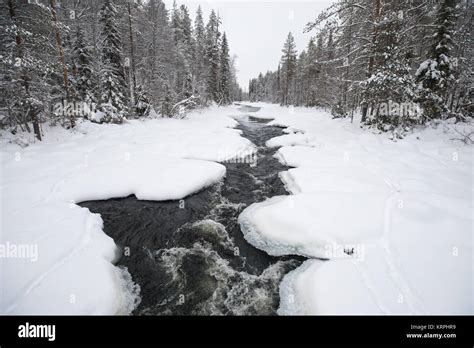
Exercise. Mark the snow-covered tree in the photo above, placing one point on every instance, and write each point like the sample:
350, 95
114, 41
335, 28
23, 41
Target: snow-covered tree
288, 69
167, 102
83, 70
236, 90
113, 99
142, 105
156, 70
225, 75
182, 29
438, 72
392, 83
125, 57
132, 9
62, 60
28, 77
368, 54
200, 62
311, 73
213, 56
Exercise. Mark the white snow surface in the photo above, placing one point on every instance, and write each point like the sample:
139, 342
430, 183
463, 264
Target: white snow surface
387, 225
68, 264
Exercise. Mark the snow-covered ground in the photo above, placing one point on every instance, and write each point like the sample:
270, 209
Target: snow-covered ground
65, 266
403, 211
394, 218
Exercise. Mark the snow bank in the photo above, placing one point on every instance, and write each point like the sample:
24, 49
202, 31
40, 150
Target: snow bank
148, 177
66, 261
311, 225
395, 219
290, 140
302, 293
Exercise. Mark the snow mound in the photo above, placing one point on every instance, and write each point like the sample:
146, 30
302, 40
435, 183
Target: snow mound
291, 140
164, 179
388, 225
313, 226
301, 292
57, 258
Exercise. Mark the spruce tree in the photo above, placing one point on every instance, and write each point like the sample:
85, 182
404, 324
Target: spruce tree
83, 68
158, 66
167, 102
182, 32
391, 85
288, 69
113, 99
187, 34
437, 73
200, 66
213, 57
30, 81
225, 73
311, 73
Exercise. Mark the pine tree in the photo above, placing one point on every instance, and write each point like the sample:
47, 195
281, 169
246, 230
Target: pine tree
28, 77
288, 69
167, 102
62, 60
182, 29
364, 55
279, 95
158, 66
83, 68
301, 87
200, 63
392, 83
225, 73
123, 59
311, 73
187, 34
462, 103
213, 56
113, 101
236, 91
132, 66
438, 72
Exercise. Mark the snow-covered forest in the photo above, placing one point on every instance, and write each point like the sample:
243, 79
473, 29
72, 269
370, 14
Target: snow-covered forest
364, 54
139, 176
107, 61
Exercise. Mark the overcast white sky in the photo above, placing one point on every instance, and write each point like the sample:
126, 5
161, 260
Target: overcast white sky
256, 30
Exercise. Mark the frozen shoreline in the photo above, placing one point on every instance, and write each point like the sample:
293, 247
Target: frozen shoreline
393, 203
380, 211
74, 272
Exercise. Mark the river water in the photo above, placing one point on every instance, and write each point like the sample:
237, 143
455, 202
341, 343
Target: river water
189, 257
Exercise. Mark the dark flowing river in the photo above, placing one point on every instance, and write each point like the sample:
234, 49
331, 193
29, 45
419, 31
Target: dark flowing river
189, 257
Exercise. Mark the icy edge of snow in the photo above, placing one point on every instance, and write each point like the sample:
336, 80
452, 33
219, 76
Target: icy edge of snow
388, 279
153, 159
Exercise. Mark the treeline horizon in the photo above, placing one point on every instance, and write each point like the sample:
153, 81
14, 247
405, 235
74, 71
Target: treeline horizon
121, 59
369, 55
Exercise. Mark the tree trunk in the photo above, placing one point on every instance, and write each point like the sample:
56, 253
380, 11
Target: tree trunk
24, 78
132, 54
36, 126
372, 59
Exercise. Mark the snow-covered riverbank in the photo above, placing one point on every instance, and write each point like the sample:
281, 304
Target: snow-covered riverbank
402, 210
394, 218
73, 272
